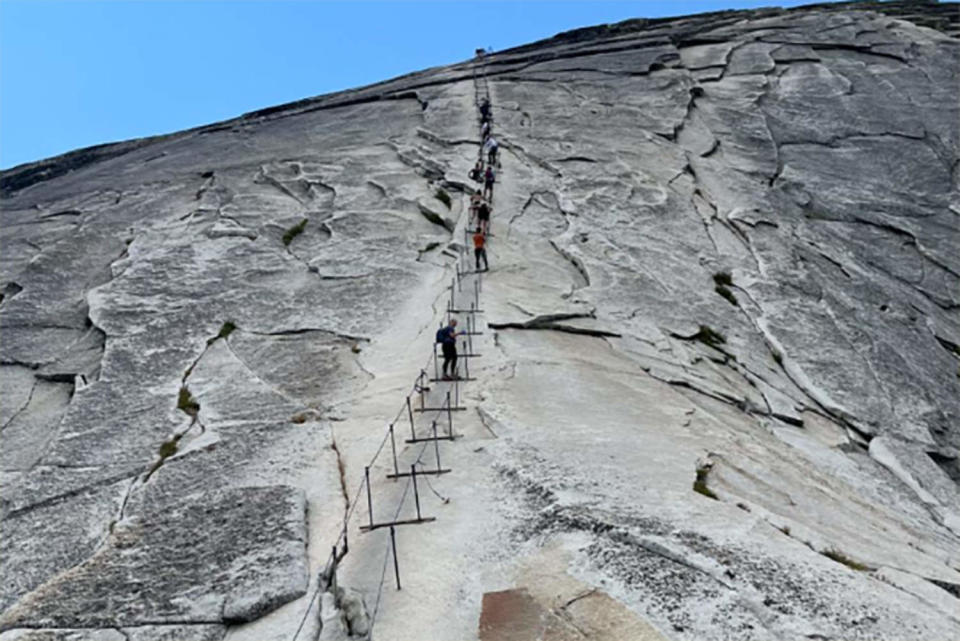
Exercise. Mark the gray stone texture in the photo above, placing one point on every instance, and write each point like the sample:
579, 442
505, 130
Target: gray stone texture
809, 154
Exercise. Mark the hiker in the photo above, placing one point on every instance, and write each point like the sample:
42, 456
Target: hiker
475, 199
447, 337
480, 250
489, 177
484, 131
491, 146
476, 174
485, 109
483, 217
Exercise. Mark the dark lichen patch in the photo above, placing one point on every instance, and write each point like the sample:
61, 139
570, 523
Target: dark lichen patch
722, 284
700, 483
443, 197
294, 231
836, 555
709, 336
186, 403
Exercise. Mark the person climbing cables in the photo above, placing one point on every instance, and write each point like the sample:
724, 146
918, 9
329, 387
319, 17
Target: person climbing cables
475, 199
484, 131
447, 337
492, 146
485, 109
483, 217
476, 174
489, 177
480, 250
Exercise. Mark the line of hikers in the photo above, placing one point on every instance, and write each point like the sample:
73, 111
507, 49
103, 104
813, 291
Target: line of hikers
481, 207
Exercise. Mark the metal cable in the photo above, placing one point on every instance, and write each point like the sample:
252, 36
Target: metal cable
332, 560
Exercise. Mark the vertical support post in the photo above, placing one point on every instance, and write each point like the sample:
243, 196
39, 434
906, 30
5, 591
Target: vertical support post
366, 473
416, 492
449, 416
393, 448
456, 389
396, 566
436, 445
436, 370
466, 360
410, 415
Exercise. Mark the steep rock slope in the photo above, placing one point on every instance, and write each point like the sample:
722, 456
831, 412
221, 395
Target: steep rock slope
725, 260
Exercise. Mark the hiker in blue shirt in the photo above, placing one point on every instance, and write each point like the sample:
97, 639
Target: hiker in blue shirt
447, 337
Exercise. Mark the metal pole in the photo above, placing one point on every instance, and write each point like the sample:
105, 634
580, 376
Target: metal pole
410, 415
393, 448
366, 473
436, 370
449, 416
436, 445
466, 360
396, 567
416, 493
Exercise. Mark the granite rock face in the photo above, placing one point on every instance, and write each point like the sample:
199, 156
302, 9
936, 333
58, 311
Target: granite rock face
719, 392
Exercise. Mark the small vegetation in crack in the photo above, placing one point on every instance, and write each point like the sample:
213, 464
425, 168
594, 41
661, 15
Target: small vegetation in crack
709, 336
785, 529
722, 284
167, 449
777, 357
294, 231
186, 403
836, 555
444, 197
700, 483
225, 330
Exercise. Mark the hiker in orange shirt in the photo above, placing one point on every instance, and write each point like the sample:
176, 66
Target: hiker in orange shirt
480, 250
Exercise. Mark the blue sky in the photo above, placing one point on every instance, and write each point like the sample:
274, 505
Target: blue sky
77, 73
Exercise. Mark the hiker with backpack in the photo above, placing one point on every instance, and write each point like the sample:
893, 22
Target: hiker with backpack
480, 250
489, 177
483, 217
476, 174
484, 131
492, 146
447, 337
476, 198
485, 110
